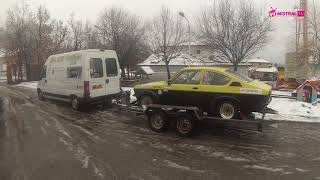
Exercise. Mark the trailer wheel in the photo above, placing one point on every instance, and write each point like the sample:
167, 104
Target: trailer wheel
158, 121
185, 125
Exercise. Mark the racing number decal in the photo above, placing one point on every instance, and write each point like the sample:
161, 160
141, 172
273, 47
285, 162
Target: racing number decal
250, 91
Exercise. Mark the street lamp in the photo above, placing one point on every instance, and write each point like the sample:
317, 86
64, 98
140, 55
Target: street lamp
182, 15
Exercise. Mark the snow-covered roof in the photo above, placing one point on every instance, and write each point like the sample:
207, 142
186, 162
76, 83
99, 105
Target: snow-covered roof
258, 60
270, 70
184, 60
147, 70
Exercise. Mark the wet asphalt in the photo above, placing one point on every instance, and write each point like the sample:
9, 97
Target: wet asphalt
48, 140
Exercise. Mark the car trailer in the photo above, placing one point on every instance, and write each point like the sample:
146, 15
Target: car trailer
185, 118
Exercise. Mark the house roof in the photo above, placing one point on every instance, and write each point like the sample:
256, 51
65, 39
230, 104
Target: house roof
146, 70
269, 70
184, 60
305, 83
257, 60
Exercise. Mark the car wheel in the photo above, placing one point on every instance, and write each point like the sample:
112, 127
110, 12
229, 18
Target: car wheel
185, 125
228, 110
40, 95
145, 101
75, 103
157, 121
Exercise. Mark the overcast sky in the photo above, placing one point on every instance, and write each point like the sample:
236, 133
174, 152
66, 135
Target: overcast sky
89, 10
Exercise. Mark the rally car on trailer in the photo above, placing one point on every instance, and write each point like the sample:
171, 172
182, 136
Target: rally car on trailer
216, 91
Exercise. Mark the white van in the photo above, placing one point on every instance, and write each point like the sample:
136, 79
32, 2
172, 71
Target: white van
81, 77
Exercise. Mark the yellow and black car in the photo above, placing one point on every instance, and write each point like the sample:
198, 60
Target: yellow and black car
214, 90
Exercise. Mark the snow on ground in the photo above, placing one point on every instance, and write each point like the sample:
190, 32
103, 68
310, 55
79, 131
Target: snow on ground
31, 84
293, 110
282, 93
132, 97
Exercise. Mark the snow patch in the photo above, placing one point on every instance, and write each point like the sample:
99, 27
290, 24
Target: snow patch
178, 166
302, 170
271, 169
31, 84
293, 110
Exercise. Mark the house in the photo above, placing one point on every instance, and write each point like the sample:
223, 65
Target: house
3, 66
259, 63
200, 55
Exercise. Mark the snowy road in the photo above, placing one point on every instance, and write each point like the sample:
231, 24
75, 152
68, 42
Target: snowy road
47, 140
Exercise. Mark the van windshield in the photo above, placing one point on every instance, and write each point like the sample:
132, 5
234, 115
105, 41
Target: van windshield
96, 69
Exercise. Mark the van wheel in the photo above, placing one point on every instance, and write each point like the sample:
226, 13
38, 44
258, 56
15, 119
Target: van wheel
40, 95
145, 101
228, 110
75, 103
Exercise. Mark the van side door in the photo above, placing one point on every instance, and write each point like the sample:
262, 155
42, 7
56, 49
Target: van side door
113, 76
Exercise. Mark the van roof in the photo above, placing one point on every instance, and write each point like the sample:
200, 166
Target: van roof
87, 50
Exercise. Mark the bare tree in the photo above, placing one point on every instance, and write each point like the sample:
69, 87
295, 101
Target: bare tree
166, 36
59, 32
42, 34
122, 32
19, 38
78, 32
315, 32
235, 30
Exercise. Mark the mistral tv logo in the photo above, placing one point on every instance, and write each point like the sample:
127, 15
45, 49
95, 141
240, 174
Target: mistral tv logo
286, 12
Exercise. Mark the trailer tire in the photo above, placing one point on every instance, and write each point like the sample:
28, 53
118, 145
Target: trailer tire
185, 125
158, 121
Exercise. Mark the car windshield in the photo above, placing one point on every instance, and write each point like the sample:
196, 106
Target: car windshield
240, 75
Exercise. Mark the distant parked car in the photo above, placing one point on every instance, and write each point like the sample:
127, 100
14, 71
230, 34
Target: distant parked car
214, 90
81, 77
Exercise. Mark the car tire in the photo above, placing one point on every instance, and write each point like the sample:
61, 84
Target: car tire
185, 125
40, 95
228, 110
144, 101
75, 104
158, 121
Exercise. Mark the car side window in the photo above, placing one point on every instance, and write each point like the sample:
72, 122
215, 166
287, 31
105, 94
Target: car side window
188, 77
96, 68
211, 78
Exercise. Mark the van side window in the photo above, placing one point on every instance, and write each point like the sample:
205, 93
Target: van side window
74, 72
111, 65
44, 72
96, 68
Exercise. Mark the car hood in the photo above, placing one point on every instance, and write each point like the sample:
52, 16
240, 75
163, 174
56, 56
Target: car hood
260, 85
152, 85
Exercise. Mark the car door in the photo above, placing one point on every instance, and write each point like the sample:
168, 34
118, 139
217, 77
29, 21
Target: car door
98, 78
113, 76
213, 86
183, 89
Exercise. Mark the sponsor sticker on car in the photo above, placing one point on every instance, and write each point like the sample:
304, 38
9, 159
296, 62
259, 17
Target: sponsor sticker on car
250, 91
